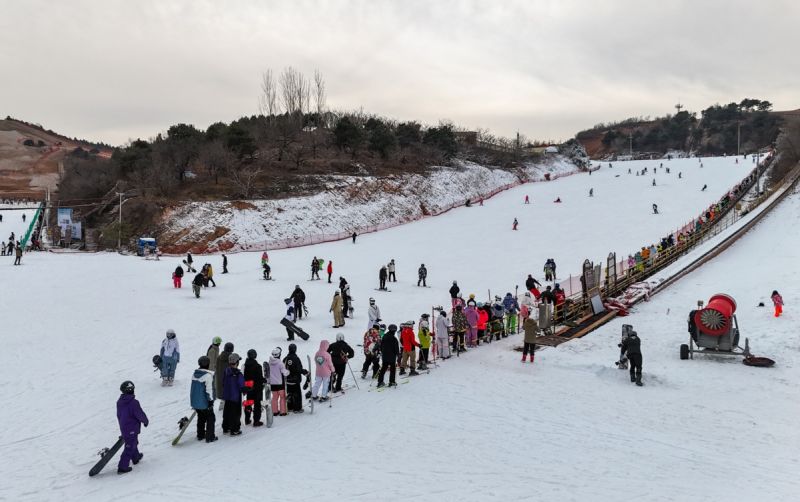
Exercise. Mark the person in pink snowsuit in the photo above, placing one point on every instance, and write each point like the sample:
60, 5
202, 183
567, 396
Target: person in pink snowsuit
777, 300
323, 365
472, 331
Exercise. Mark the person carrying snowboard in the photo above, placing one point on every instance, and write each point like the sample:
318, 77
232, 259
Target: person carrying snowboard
373, 313
372, 351
322, 374
201, 398
130, 417
315, 268
290, 316
253, 372
189, 262
177, 276
298, 296
170, 357
777, 301
632, 348
329, 270
294, 396
336, 308
277, 382
232, 389
340, 353
443, 335
422, 274
382, 275
391, 269
390, 349
409, 343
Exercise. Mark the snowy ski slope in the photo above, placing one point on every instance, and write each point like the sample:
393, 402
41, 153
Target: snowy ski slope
481, 427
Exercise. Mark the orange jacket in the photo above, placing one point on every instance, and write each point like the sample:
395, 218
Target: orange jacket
407, 339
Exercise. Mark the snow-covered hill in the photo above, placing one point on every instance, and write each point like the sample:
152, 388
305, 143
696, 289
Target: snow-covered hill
480, 427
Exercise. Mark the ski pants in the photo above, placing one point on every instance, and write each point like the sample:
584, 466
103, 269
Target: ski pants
458, 340
176, 282
211, 280
528, 348
255, 408
392, 277
329, 277
382, 283
279, 402
345, 308
294, 399
371, 359
340, 369
422, 281
321, 384
423, 355
387, 365
168, 365
298, 310
130, 451
17, 260
232, 416
635, 361
205, 423
443, 346
409, 354
472, 336
511, 324
338, 318
778, 310
196, 290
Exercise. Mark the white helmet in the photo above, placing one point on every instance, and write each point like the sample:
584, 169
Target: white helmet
339, 337
276, 352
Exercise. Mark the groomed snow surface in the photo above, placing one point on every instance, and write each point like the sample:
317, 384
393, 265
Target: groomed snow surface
479, 427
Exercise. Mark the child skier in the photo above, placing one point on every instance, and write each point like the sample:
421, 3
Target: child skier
511, 308
372, 351
443, 335
170, 357
201, 397
390, 349
410, 344
277, 382
253, 372
232, 389
130, 417
322, 375
777, 300
424, 335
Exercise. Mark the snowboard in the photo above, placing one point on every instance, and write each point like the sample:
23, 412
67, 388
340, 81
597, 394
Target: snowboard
106, 454
385, 290
293, 327
189, 267
183, 424
268, 395
310, 401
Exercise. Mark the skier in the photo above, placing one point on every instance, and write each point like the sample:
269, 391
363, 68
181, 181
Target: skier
213, 350
340, 353
514, 225
170, 357
346, 300
315, 268
298, 296
680, 174
531, 328
336, 308
201, 398
654, 182
330, 270
591, 191
454, 291
373, 313
390, 349
471, 301
354, 237
704, 188
532, 284
527, 200
219, 374
322, 374
197, 283
553, 268
483, 319
290, 316
253, 372
424, 335
472, 320
632, 348
548, 271
460, 326
655, 208
372, 351
294, 397
559, 298
224, 264
277, 382
422, 274
232, 388
777, 301
547, 296
511, 308
382, 274
409, 343
443, 335
496, 324
177, 275
189, 261
130, 417
391, 268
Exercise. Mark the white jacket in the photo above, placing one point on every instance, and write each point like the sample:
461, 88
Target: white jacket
170, 347
374, 313
442, 326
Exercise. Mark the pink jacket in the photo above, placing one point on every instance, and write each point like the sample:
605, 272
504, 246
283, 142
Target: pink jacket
777, 300
472, 317
325, 368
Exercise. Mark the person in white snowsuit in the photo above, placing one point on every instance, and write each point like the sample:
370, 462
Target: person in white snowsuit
373, 313
170, 357
442, 335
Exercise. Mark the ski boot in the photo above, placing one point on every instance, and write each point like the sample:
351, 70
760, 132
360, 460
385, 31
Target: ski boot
211, 439
138, 459
413, 373
523, 358
163, 383
402, 371
123, 471
531, 358
363, 375
381, 384
639, 379
633, 377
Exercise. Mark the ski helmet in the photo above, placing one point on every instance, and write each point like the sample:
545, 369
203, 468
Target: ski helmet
339, 337
170, 333
375, 325
292, 348
216, 340
127, 387
204, 362
455, 283
251, 354
276, 352
372, 300
392, 327
234, 359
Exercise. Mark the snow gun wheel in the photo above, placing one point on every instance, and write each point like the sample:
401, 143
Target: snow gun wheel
684, 352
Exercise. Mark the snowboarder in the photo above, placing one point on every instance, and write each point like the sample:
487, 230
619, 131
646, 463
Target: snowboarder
170, 357
267, 270
232, 389
264, 258
294, 397
253, 372
422, 274
220, 365
290, 316
340, 353
298, 296
443, 335
130, 417
189, 262
531, 284
177, 275
409, 343
197, 284
777, 301
390, 350
373, 313
558, 200
315, 269
424, 335
382, 274
354, 237
531, 328
330, 270
704, 188
549, 273
213, 350
514, 225
336, 308
322, 373
391, 269
460, 326
632, 348
454, 291
655, 208
277, 382
224, 264
201, 398
372, 351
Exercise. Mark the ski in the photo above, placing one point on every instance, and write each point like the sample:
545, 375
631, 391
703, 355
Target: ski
270, 416
106, 454
310, 401
183, 424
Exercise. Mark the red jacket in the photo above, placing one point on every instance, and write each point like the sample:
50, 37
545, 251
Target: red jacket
330, 267
560, 297
483, 318
407, 339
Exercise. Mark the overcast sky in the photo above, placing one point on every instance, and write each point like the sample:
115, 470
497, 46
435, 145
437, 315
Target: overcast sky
116, 70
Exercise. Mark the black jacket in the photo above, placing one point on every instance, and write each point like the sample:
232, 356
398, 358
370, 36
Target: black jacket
298, 296
382, 273
295, 368
390, 348
531, 283
199, 280
339, 349
548, 296
423, 272
632, 345
253, 371
454, 291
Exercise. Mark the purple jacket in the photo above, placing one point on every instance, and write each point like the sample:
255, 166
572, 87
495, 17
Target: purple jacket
276, 371
232, 384
472, 316
130, 415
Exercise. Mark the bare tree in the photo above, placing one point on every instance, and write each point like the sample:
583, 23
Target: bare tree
244, 178
268, 100
295, 91
319, 95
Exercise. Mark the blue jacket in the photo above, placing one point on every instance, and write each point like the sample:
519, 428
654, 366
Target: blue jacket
201, 395
232, 384
510, 304
130, 415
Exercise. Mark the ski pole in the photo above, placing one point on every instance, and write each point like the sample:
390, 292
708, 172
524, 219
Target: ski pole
353, 375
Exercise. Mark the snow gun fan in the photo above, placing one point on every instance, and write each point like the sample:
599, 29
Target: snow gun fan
714, 329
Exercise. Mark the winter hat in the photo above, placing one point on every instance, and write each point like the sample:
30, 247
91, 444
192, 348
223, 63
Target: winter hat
376, 326
204, 362
459, 306
170, 333
276, 352
228, 347
392, 328
455, 283
292, 348
216, 340
425, 316
443, 313
252, 354
335, 293
234, 359
339, 337
472, 296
